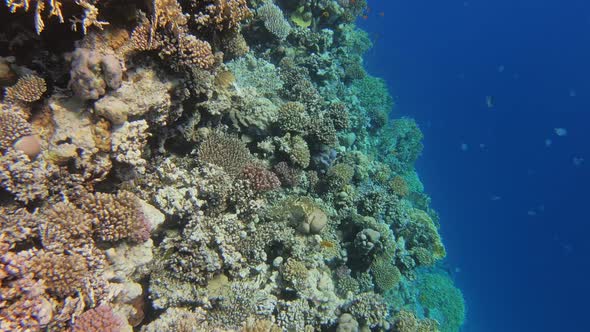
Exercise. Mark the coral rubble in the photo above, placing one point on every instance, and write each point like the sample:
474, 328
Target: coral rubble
215, 165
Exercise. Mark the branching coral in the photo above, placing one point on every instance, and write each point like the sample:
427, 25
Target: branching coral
260, 178
224, 151
12, 127
221, 14
116, 216
89, 18
28, 88
274, 21
26, 179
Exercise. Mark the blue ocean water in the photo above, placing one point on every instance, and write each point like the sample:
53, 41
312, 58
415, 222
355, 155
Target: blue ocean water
489, 82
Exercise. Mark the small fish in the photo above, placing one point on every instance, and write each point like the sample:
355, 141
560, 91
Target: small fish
531, 213
560, 131
548, 142
382, 14
464, 147
501, 69
495, 198
482, 146
365, 17
573, 93
577, 161
489, 101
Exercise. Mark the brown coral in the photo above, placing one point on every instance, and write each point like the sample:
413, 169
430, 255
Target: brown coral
293, 118
17, 225
399, 186
221, 14
116, 217
290, 177
226, 152
23, 304
65, 228
12, 127
26, 179
28, 88
99, 319
62, 274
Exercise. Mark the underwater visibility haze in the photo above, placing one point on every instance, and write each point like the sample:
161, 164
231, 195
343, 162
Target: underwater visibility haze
293, 165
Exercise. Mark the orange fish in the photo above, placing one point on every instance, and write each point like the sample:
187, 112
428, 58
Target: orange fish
381, 14
365, 17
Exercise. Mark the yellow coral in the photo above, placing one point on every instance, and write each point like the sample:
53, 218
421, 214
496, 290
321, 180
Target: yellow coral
90, 17
223, 14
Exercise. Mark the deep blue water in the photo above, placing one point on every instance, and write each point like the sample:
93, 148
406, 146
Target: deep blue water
514, 211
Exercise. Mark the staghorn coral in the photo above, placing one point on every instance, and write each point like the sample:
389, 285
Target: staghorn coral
89, 18
274, 21
340, 175
28, 88
116, 216
224, 151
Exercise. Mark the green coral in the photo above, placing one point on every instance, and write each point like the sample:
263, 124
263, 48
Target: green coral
373, 96
293, 118
444, 301
346, 285
340, 175
385, 273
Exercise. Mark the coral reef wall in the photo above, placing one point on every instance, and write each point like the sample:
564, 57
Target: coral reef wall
211, 165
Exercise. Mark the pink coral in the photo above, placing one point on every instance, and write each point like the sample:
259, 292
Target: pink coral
99, 319
260, 178
290, 177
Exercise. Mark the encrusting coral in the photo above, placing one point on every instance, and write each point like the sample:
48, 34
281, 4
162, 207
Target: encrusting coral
214, 165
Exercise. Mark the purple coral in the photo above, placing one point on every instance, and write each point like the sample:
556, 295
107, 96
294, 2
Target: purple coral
99, 319
260, 178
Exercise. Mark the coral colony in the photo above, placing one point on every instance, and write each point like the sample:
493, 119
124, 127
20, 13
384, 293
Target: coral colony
208, 165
